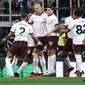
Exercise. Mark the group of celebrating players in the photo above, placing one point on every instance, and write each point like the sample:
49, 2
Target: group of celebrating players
39, 29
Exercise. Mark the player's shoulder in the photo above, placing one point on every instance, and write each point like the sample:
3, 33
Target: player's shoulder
15, 24
69, 18
29, 25
81, 19
74, 22
54, 16
44, 14
77, 20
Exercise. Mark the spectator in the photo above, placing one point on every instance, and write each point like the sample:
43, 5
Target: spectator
6, 6
82, 4
31, 3
14, 5
1, 7
20, 7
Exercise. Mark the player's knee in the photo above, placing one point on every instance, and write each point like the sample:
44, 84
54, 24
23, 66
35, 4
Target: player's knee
10, 55
40, 53
34, 54
60, 53
78, 53
35, 51
51, 52
64, 55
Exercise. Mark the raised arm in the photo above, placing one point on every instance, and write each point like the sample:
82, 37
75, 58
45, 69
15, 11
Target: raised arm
8, 36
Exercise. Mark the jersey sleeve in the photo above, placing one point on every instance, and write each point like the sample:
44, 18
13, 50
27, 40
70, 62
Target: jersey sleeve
55, 21
71, 26
13, 28
66, 22
31, 19
31, 30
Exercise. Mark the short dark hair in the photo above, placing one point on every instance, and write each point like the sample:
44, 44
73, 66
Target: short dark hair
30, 10
51, 7
79, 12
23, 15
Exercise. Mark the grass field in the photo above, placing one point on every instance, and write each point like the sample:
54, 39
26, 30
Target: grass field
42, 81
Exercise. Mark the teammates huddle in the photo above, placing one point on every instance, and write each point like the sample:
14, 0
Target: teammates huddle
42, 27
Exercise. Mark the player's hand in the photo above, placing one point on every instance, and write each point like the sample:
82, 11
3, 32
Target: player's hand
84, 41
16, 21
39, 43
4, 40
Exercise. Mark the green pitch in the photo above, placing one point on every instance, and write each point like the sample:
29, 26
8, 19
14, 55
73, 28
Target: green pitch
42, 81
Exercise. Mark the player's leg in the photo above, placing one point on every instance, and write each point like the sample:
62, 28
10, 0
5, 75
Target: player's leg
78, 56
51, 62
28, 59
52, 46
38, 55
35, 63
42, 61
41, 53
10, 55
66, 60
22, 50
8, 64
67, 48
14, 61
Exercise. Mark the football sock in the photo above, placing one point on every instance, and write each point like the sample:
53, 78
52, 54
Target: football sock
78, 62
9, 65
43, 63
35, 62
21, 68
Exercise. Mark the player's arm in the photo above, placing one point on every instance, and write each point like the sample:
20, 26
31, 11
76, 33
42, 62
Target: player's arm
55, 29
30, 21
64, 29
8, 36
35, 39
84, 40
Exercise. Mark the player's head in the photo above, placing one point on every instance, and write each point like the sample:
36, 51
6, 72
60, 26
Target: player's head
29, 13
23, 16
38, 9
77, 13
50, 10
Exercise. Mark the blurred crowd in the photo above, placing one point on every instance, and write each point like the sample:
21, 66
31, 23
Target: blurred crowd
17, 6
